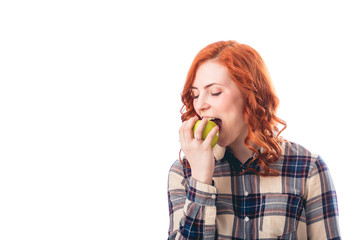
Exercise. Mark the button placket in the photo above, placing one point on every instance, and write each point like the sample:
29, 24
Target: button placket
246, 193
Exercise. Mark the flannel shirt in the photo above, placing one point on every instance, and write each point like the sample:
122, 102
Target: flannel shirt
300, 203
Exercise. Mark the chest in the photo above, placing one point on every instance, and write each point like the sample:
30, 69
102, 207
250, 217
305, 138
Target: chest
250, 206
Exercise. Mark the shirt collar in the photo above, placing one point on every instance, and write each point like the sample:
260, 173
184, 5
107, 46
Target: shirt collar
219, 152
230, 157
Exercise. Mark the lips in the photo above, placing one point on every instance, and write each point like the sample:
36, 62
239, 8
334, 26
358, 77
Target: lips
218, 121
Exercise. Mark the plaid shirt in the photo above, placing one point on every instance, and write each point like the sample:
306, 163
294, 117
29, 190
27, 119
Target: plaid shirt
300, 203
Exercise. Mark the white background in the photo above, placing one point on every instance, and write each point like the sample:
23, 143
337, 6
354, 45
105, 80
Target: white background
90, 101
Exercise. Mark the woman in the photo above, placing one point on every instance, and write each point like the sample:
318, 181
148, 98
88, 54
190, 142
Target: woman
252, 184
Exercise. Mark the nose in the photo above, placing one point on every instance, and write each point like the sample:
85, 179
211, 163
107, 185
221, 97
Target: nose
201, 104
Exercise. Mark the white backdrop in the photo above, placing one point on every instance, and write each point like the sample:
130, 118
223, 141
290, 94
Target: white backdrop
90, 100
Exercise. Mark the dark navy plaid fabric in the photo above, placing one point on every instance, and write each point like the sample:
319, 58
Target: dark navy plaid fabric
301, 203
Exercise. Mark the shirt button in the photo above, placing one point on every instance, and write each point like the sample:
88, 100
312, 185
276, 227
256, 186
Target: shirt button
213, 196
246, 193
246, 219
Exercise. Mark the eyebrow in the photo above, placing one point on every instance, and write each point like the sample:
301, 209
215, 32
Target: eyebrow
207, 86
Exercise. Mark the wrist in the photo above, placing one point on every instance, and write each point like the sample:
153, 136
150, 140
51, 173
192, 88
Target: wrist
201, 193
203, 179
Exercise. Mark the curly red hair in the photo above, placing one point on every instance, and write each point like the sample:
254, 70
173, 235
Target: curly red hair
248, 70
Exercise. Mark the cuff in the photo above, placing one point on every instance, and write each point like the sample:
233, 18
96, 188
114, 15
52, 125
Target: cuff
201, 193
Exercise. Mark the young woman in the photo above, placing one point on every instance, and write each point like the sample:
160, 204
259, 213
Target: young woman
252, 184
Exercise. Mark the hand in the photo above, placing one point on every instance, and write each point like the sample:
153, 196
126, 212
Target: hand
198, 152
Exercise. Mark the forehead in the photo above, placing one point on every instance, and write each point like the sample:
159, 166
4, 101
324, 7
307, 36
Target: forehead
211, 72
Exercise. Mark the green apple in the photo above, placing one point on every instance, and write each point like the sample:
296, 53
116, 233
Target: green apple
209, 125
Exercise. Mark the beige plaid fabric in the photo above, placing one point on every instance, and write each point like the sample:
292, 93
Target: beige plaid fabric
299, 204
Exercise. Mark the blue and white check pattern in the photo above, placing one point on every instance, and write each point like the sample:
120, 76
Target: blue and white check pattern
300, 203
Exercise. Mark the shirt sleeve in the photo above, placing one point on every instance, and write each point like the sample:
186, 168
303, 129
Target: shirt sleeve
321, 206
192, 207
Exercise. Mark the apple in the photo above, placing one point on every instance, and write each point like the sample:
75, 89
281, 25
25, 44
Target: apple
209, 125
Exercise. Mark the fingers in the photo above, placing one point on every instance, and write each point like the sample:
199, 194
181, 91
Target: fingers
199, 129
189, 137
181, 134
211, 135
186, 131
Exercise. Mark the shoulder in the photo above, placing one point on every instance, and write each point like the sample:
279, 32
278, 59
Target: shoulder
297, 161
295, 150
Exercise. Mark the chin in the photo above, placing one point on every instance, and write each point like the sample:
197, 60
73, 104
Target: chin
222, 143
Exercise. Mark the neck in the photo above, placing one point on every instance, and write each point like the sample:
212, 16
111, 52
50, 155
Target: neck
240, 151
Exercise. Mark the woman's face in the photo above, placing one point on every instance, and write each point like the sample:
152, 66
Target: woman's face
217, 96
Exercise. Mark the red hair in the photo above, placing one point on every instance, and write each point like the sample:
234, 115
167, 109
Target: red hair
247, 69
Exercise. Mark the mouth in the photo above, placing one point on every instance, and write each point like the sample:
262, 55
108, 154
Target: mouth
218, 122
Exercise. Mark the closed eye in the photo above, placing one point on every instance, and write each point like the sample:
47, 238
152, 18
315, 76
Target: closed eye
215, 94
212, 94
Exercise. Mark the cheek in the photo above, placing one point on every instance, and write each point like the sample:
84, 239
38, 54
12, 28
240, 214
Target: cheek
237, 108
225, 104
235, 116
